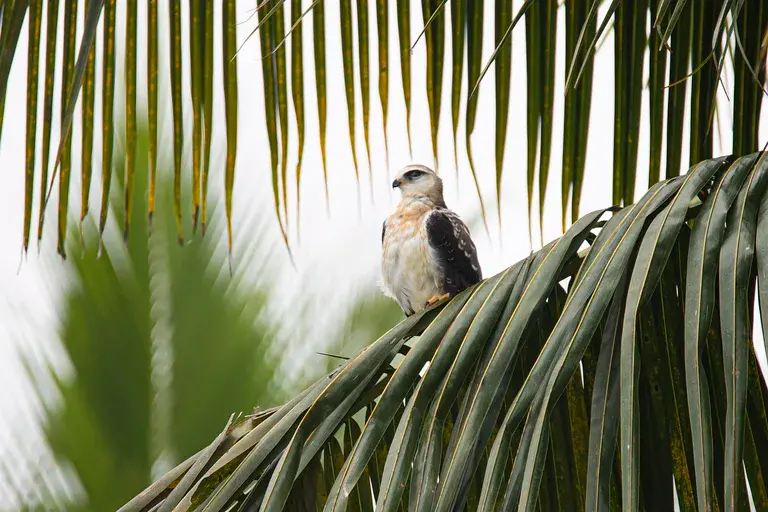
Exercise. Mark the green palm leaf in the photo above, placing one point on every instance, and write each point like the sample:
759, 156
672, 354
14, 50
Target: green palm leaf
152, 79
36, 13
699, 37
130, 111
196, 43
174, 26
492, 419
107, 115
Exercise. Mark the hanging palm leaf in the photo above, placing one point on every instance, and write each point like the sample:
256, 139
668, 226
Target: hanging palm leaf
697, 39
492, 388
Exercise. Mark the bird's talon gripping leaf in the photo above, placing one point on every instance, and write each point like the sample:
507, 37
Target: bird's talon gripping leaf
437, 298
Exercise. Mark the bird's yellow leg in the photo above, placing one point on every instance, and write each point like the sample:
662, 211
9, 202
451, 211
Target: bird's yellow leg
437, 298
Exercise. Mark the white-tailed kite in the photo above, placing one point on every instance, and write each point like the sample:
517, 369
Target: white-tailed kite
427, 252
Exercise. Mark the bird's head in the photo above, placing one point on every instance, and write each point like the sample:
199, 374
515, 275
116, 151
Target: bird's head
416, 181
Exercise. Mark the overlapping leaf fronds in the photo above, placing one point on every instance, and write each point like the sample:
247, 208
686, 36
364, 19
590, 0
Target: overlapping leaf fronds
584, 377
688, 41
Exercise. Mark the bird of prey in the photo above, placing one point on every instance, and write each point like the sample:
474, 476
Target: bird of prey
427, 252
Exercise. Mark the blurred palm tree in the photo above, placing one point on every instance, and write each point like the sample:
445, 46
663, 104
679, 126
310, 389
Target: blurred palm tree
159, 358
154, 353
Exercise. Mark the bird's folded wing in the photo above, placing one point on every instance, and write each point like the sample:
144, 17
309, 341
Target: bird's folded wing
453, 249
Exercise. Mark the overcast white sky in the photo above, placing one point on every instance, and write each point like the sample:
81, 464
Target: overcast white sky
345, 246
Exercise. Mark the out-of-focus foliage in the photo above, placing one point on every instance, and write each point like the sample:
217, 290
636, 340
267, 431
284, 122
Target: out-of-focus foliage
163, 344
371, 315
686, 42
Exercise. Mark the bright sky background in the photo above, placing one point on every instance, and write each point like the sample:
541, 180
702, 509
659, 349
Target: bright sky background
337, 252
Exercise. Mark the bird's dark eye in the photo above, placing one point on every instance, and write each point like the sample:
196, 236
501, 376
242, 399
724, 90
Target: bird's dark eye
412, 175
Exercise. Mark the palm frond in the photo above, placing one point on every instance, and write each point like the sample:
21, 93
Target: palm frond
643, 331
698, 39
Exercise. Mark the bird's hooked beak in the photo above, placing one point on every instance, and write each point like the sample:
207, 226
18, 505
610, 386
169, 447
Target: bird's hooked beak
396, 183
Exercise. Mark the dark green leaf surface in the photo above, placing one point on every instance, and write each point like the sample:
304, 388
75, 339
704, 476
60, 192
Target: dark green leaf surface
72, 79
434, 33
577, 110
229, 73
757, 407
654, 250
603, 429
704, 81
362, 499
33, 57
534, 103
471, 345
297, 90
706, 238
630, 42
749, 29
208, 73
586, 43
657, 57
503, 78
51, 28
548, 23
361, 7
391, 399
347, 384
196, 42
535, 291
404, 40
194, 471
718, 392
678, 69
277, 55
178, 119
130, 111
347, 44
318, 32
516, 393
382, 31
87, 143
474, 60
540, 34
64, 155
735, 289
592, 293
507, 34
667, 304
458, 37
695, 40
152, 80
273, 118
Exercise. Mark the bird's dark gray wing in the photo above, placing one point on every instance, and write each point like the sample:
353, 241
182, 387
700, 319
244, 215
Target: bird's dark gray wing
455, 252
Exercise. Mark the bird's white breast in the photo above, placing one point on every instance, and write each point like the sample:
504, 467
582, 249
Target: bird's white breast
409, 270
